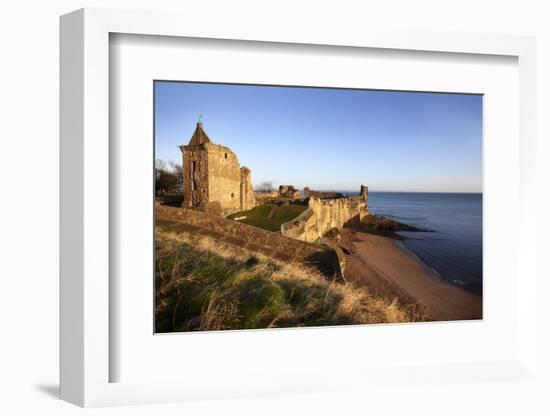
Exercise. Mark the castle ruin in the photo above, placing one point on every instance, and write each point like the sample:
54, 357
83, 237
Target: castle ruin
213, 180
288, 191
325, 213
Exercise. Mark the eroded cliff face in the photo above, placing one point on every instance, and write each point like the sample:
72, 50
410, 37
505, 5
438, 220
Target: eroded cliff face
323, 215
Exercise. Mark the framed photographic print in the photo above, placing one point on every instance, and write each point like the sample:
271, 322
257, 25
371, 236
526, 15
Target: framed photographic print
235, 209
304, 244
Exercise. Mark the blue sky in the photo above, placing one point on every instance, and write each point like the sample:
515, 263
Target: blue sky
331, 139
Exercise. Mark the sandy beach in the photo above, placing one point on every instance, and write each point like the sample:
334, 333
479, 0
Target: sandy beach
387, 267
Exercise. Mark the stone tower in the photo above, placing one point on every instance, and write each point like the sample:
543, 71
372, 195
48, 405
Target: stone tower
248, 200
365, 194
213, 180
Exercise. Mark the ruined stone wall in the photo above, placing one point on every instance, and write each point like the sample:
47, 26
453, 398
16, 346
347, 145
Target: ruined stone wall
288, 191
195, 177
248, 199
335, 213
323, 195
224, 185
304, 227
365, 194
273, 245
271, 194
324, 215
263, 197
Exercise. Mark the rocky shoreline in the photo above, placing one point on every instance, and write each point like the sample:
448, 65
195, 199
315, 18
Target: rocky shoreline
377, 224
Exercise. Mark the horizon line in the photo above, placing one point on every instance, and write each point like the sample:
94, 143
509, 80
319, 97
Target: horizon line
402, 192
418, 192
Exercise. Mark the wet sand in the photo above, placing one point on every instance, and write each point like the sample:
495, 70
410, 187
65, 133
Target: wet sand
387, 266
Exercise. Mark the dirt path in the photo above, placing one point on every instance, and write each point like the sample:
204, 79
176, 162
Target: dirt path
386, 266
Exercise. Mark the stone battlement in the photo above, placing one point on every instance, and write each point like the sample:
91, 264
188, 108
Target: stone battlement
309, 193
325, 214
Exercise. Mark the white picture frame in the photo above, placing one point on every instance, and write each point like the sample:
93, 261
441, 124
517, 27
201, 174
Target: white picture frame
85, 216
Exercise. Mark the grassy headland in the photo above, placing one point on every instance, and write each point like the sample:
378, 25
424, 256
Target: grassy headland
269, 216
202, 284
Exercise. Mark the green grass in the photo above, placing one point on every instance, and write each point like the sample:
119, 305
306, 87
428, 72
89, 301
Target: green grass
260, 215
202, 285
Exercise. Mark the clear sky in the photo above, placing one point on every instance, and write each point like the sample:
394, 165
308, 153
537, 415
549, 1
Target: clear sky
331, 139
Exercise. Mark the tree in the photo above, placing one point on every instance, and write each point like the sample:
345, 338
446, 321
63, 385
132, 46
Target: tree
160, 166
176, 169
265, 187
166, 182
166, 178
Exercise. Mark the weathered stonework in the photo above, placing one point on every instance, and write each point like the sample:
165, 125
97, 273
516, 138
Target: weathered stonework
365, 193
213, 180
248, 199
323, 215
323, 195
288, 191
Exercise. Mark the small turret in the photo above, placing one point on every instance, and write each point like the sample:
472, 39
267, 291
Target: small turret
365, 193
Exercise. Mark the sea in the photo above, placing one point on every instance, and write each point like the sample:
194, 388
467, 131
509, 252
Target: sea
454, 248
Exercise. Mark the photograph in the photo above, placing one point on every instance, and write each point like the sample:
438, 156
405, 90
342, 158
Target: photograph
297, 206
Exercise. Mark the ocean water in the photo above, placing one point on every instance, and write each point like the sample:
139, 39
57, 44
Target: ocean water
455, 247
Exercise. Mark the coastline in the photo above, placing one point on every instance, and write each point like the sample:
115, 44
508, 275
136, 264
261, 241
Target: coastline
390, 269
475, 288
379, 268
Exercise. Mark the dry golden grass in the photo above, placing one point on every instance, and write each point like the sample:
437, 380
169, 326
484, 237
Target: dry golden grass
202, 284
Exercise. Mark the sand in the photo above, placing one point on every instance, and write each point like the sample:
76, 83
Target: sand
385, 265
